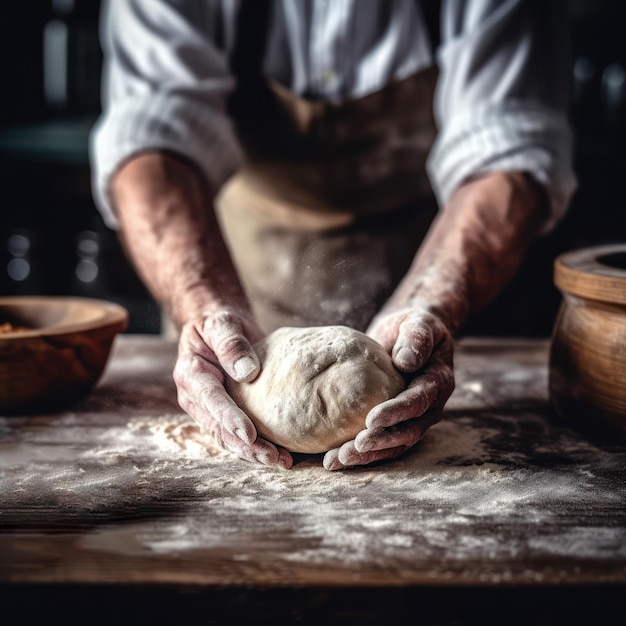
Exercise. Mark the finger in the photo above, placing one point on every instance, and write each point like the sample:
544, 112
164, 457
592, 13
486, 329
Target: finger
349, 456
224, 333
414, 345
432, 388
331, 460
203, 397
261, 451
403, 434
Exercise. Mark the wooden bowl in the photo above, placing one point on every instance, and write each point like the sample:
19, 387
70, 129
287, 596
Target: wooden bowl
53, 349
588, 349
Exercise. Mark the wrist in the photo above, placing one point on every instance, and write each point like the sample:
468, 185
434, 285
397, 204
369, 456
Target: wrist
432, 312
199, 302
473, 248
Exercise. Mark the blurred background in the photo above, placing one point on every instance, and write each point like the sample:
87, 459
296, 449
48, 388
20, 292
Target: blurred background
52, 240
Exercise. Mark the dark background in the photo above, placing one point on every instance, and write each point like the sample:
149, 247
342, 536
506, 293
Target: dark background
52, 240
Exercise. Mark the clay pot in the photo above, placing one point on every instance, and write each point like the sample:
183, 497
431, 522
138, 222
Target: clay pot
587, 377
53, 349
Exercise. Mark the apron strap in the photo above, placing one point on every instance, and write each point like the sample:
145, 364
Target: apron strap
246, 60
431, 10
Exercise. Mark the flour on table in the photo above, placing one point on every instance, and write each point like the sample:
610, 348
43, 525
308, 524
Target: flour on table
496, 483
180, 436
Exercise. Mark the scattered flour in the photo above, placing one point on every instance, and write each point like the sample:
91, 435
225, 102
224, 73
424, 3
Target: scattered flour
178, 437
440, 503
486, 486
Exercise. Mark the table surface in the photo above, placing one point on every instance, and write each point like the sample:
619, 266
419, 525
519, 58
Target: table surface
122, 488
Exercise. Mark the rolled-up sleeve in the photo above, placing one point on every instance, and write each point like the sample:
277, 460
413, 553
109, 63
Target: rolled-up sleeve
501, 101
165, 86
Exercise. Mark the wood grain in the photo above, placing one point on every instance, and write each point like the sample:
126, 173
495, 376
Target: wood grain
122, 489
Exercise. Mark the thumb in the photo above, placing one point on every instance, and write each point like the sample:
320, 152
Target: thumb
224, 333
414, 345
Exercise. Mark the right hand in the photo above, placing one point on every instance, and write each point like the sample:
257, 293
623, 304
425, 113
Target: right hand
211, 347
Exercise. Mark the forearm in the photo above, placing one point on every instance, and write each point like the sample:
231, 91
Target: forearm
169, 230
474, 247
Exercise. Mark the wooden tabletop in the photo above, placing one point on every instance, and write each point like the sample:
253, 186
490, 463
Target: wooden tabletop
123, 490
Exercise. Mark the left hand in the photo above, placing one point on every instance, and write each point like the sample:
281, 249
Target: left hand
421, 347
213, 345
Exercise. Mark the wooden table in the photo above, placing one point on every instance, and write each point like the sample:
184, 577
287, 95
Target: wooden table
119, 506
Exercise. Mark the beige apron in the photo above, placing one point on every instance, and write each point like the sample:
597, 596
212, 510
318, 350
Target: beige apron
326, 216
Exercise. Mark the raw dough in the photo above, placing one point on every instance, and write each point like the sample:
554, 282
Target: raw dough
316, 386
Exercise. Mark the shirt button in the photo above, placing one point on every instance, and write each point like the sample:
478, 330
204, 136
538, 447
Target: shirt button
328, 77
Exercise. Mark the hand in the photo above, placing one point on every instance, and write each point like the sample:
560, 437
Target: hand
421, 347
210, 348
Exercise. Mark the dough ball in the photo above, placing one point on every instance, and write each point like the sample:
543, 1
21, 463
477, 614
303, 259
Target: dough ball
316, 386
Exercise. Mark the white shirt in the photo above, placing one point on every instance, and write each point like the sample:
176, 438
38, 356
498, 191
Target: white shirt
500, 102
